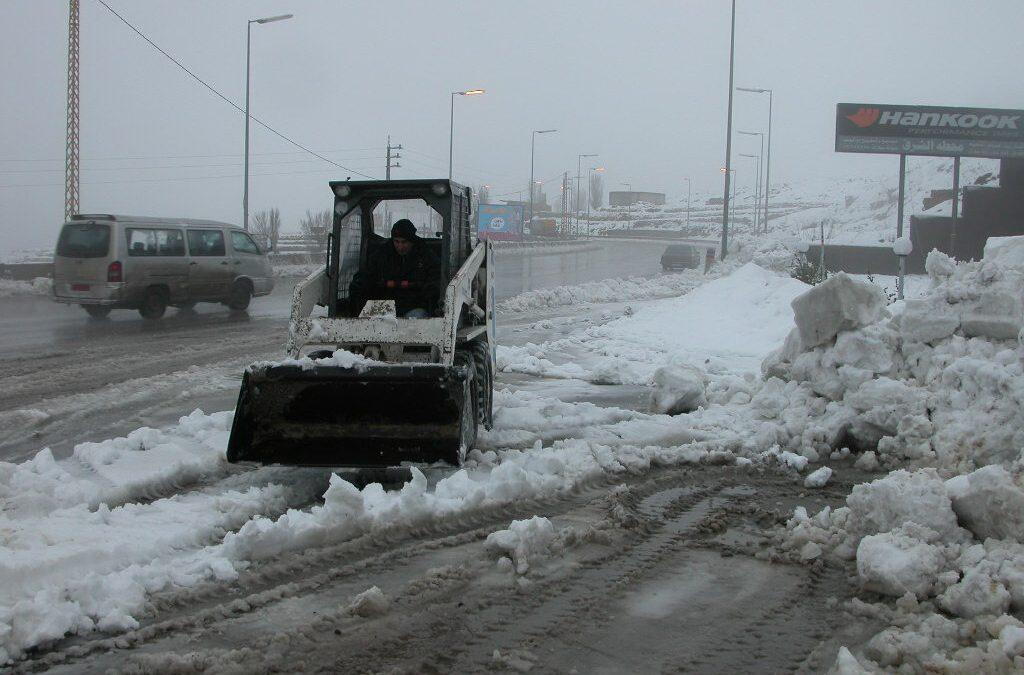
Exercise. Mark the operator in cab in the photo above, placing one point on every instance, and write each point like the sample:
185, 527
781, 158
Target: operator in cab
405, 270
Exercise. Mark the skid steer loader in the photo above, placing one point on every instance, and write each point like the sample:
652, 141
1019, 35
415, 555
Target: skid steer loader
427, 386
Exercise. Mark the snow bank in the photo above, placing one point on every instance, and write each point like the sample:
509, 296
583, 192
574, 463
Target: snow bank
608, 290
38, 286
144, 462
936, 382
727, 325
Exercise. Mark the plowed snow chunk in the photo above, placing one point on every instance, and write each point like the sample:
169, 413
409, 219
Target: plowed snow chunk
371, 602
1007, 251
838, 304
818, 478
901, 497
847, 664
928, 320
898, 562
525, 542
678, 389
989, 503
976, 594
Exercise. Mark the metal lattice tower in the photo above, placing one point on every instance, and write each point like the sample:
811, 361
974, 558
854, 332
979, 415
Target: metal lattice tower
71, 148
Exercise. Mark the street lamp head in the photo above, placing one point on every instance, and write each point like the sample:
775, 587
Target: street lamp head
470, 92
544, 131
597, 168
271, 19
581, 156
750, 133
753, 90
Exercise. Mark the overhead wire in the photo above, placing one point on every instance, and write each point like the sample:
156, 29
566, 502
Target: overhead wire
231, 154
225, 98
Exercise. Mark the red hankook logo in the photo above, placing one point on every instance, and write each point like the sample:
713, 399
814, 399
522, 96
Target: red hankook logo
864, 117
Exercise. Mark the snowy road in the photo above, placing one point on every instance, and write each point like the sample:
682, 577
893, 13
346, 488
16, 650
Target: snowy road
670, 570
587, 531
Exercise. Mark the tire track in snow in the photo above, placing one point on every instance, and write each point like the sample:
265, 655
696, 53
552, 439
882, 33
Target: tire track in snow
451, 608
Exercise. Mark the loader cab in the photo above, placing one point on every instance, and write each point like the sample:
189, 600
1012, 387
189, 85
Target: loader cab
363, 214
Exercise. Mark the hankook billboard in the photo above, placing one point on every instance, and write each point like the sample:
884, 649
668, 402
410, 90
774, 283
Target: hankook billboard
929, 130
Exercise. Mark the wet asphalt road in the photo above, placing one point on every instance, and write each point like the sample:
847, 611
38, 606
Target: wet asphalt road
65, 378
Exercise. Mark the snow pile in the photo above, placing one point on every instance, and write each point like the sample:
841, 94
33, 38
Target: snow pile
727, 325
341, 358
608, 290
933, 545
937, 383
38, 286
940, 380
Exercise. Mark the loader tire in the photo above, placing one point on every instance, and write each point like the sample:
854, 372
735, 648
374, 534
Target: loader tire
485, 384
468, 424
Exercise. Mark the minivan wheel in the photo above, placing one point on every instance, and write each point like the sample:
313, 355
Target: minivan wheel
153, 305
96, 311
240, 296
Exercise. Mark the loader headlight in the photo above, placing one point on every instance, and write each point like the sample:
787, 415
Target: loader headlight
439, 189
343, 191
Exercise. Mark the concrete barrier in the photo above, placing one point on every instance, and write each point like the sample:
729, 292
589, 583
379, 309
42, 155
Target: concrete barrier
26, 271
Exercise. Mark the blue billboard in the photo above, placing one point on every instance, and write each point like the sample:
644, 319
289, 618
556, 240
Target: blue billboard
500, 221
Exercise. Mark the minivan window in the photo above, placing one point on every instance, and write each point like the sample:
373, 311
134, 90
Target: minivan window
205, 242
84, 240
242, 243
152, 242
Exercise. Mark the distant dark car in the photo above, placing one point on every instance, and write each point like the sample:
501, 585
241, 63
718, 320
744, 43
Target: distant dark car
680, 257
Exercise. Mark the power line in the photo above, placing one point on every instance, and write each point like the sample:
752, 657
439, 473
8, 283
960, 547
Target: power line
168, 180
168, 166
230, 154
225, 98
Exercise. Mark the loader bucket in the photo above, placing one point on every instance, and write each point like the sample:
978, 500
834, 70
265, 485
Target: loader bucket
346, 417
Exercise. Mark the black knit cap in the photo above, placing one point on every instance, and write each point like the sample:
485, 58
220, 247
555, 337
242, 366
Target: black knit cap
404, 229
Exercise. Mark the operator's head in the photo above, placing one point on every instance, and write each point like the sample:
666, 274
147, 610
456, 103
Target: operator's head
403, 234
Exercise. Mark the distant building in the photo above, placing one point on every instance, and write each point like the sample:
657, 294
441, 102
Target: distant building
629, 198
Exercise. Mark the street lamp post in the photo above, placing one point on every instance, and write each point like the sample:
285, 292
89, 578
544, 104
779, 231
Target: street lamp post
248, 42
533, 145
728, 137
451, 124
768, 160
629, 204
757, 186
688, 192
590, 197
759, 156
579, 186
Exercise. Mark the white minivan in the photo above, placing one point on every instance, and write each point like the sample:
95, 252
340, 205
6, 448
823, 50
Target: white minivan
106, 261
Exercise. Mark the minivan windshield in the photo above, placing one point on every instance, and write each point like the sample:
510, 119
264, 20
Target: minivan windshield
84, 240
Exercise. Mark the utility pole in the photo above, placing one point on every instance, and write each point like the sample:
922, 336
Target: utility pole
387, 175
395, 157
71, 145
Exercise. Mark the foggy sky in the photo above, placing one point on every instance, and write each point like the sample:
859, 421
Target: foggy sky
643, 83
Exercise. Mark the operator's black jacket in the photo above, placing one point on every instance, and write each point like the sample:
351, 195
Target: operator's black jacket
413, 280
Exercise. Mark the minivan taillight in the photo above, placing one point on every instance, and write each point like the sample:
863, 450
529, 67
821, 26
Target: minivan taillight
114, 272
